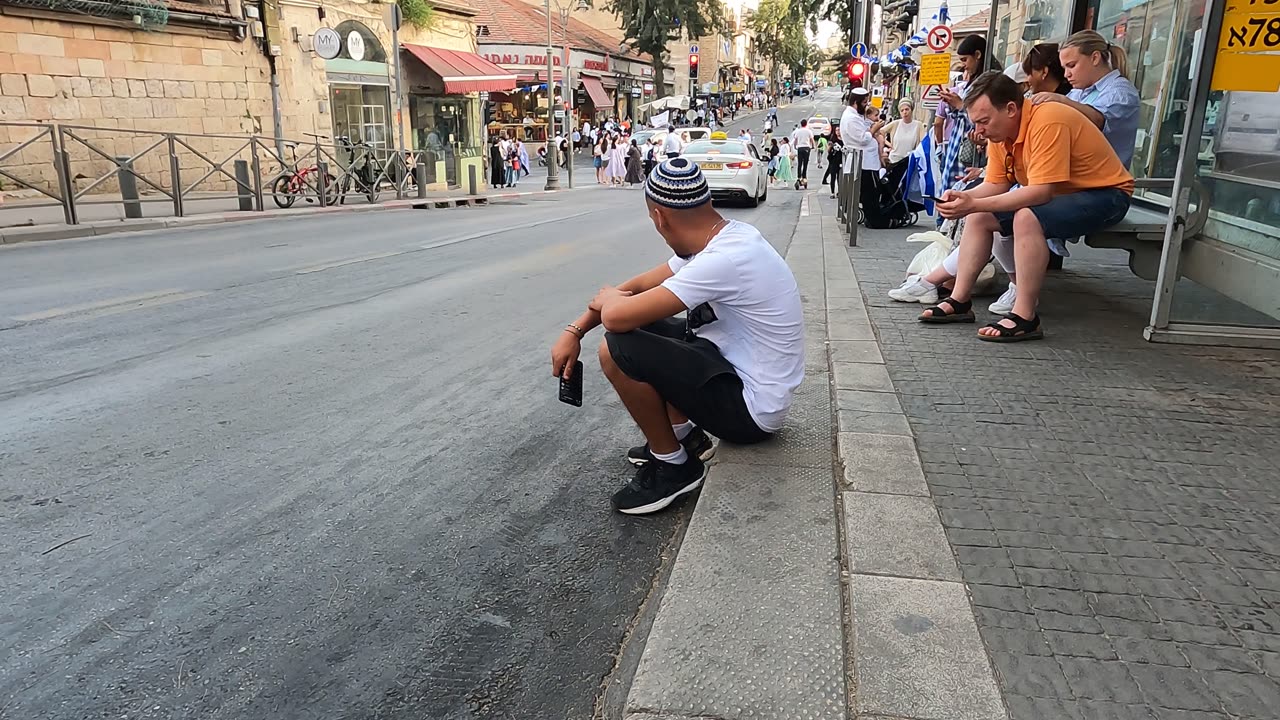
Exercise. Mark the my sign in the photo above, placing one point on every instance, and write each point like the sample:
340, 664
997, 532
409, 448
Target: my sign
1249, 47
355, 45
935, 69
327, 43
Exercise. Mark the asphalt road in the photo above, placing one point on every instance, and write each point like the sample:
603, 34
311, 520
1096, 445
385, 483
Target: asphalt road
316, 468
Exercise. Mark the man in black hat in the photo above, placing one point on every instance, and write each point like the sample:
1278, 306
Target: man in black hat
729, 368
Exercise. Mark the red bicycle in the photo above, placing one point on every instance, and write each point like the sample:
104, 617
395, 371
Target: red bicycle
290, 185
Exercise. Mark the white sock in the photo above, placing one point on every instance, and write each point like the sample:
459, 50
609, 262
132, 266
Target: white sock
679, 457
928, 285
683, 429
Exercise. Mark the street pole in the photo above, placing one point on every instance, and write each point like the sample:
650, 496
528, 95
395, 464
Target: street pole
395, 43
553, 159
569, 122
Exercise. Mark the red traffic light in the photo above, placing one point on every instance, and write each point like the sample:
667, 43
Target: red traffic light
693, 59
857, 69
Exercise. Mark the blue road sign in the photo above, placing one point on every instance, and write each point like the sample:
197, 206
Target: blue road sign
859, 50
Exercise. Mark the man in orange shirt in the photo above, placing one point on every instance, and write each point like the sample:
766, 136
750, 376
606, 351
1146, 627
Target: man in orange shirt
1070, 183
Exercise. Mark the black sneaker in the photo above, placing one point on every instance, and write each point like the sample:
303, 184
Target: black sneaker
657, 484
697, 443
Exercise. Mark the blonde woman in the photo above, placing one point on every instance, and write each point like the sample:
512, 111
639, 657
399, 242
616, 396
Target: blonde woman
1096, 70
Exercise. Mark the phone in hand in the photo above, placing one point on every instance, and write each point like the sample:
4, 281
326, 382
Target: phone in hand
571, 389
934, 199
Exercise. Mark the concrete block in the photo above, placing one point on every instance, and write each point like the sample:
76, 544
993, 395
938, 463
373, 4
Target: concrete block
842, 328
861, 376
36, 45
91, 67
880, 463
44, 232
867, 401
918, 653
856, 351
897, 535
894, 423
41, 86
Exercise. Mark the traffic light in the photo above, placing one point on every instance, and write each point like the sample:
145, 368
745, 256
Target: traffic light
693, 65
857, 72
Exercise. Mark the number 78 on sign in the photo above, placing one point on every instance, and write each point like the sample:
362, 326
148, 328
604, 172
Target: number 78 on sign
1249, 47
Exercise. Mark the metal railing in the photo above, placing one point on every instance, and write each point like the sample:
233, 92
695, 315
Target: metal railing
847, 209
127, 167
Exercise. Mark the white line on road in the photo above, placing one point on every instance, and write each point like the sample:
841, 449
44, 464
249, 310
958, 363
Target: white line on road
350, 261
100, 304
496, 231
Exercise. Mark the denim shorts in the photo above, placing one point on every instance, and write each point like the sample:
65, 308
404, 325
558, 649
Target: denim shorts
1075, 214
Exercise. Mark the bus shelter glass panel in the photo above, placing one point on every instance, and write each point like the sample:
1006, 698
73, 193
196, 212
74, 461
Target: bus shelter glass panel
1231, 274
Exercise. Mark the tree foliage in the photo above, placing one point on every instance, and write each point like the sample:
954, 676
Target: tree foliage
648, 25
778, 31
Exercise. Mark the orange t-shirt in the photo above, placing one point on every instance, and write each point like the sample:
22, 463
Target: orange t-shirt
1058, 145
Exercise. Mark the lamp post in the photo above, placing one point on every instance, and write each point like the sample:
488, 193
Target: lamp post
553, 159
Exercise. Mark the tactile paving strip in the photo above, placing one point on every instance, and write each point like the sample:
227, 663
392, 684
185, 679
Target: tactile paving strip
750, 625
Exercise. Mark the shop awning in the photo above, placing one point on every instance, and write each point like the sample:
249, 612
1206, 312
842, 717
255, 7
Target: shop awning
596, 92
463, 72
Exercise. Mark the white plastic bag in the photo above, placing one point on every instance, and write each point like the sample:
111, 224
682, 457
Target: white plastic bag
932, 256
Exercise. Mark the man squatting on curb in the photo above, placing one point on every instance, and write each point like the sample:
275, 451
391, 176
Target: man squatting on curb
728, 369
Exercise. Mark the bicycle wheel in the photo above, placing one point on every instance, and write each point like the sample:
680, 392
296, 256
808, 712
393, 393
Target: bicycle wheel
282, 191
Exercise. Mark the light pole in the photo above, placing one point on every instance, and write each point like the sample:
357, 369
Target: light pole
553, 159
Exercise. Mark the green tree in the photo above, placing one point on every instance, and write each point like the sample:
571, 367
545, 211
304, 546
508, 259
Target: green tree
778, 32
648, 25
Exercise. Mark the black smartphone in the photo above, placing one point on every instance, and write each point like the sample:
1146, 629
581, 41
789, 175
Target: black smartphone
934, 199
571, 389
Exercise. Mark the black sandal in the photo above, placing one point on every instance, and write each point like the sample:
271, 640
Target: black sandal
1023, 329
963, 312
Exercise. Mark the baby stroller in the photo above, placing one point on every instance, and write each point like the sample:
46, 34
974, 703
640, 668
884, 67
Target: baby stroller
884, 202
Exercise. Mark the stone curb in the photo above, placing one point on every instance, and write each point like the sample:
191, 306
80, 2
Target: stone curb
97, 228
912, 637
750, 623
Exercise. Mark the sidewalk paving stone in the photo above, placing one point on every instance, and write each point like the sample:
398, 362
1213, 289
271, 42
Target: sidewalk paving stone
1112, 504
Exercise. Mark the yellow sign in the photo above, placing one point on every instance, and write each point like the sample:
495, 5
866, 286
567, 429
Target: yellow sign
877, 101
935, 69
1249, 47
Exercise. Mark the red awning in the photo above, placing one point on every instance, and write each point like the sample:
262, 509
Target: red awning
596, 92
463, 72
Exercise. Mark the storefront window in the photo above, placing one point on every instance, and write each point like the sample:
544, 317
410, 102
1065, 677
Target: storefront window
361, 112
442, 132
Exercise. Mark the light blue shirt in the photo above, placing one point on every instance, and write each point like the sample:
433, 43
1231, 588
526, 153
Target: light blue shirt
1117, 99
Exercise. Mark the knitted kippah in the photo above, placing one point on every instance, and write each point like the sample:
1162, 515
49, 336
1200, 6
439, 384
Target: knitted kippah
677, 183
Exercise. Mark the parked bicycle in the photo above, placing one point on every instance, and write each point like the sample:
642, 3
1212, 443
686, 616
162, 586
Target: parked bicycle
362, 174
303, 183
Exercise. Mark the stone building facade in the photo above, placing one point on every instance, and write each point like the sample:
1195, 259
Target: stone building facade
205, 71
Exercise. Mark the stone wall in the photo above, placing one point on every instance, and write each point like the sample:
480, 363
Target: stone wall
118, 88
137, 82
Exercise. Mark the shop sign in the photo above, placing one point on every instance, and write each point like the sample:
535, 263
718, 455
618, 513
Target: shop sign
327, 43
646, 71
636, 92
355, 45
515, 58
1249, 47
600, 65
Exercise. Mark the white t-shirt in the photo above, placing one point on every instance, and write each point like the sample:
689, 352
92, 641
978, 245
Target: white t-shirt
802, 138
671, 144
759, 324
906, 136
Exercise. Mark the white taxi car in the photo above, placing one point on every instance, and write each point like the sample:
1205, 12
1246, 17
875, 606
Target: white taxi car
820, 125
733, 169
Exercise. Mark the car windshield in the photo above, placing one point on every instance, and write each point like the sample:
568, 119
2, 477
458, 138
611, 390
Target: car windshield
644, 136
716, 147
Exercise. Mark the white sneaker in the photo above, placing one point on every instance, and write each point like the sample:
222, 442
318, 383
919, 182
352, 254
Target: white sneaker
1004, 304
915, 290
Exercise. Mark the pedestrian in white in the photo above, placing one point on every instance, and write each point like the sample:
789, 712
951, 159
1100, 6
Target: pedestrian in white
802, 141
671, 146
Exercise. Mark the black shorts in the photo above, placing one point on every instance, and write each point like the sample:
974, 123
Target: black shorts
691, 375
